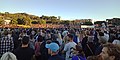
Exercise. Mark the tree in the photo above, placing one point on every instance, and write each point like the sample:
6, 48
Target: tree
41, 21
48, 22
14, 21
34, 22
27, 20
1, 21
100, 22
88, 23
66, 22
20, 21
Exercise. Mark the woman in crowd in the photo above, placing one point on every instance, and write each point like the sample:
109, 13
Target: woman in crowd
79, 54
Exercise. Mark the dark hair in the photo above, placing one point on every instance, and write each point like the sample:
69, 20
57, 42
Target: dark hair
31, 36
70, 36
105, 32
101, 33
25, 40
40, 38
55, 41
5, 32
80, 50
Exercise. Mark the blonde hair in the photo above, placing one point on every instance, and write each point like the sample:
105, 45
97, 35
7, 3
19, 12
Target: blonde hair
8, 56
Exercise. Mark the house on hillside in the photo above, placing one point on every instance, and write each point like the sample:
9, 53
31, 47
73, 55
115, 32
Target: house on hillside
7, 21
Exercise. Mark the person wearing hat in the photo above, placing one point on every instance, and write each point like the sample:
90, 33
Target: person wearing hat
53, 49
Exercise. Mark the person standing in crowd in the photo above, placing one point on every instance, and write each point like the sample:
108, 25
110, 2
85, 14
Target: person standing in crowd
79, 53
87, 44
53, 49
116, 41
6, 43
32, 42
15, 36
24, 52
110, 52
68, 47
8, 56
59, 39
112, 36
102, 41
37, 47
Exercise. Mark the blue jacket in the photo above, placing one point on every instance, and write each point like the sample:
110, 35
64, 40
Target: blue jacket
78, 58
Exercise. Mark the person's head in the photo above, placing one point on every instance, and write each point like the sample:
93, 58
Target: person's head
53, 48
25, 40
79, 50
9, 32
70, 37
87, 33
5, 32
40, 38
101, 33
8, 56
102, 38
110, 52
31, 36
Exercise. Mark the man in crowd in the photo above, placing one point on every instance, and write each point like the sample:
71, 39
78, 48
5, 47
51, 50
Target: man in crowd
68, 47
53, 49
24, 52
6, 43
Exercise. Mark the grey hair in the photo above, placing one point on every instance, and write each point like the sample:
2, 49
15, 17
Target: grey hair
8, 56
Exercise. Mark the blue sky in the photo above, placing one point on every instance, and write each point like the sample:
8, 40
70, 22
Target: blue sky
67, 9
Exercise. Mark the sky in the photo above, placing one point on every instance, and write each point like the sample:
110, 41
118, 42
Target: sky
67, 9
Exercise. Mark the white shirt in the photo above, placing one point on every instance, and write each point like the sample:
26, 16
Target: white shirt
68, 47
106, 36
60, 41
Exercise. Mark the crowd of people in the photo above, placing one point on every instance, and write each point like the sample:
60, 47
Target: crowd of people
59, 44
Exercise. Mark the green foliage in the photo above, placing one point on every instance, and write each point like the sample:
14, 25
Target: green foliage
1, 21
26, 19
88, 23
34, 22
21, 21
99, 22
14, 21
65, 22
48, 22
41, 21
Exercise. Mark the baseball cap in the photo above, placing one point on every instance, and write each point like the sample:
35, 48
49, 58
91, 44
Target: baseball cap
52, 46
